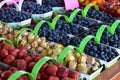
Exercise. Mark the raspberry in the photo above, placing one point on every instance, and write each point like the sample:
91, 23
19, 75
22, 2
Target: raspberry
28, 59
9, 59
52, 70
43, 68
6, 74
22, 49
67, 78
62, 72
37, 58
20, 55
31, 65
39, 76
21, 64
4, 53
53, 78
44, 77
13, 69
14, 52
0, 78
73, 74
58, 64
8, 47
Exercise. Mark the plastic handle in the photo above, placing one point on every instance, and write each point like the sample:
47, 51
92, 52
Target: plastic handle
99, 33
39, 64
37, 27
73, 14
83, 43
39, 2
20, 4
84, 12
7, 41
5, 1
17, 74
20, 32
112, 29
64, 52
54, 21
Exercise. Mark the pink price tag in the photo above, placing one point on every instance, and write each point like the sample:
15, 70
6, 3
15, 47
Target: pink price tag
8, 3
71, 4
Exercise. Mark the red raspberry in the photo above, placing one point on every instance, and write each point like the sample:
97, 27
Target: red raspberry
28, 59
43, 68
62, 72
44, 77
25, 77
22, 52
8, 47
31, 65
39, 76
14, 52
9, 59
52, 70
21, 64
53, 78
1, 72
73, 74
20, 78
20, 55
6, 74
1, 78
4, 53
22, 49
67, 78
59, 65
37, 58
13, 69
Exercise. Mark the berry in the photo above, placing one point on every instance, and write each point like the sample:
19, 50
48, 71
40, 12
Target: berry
67, 78
4, 53
9, 59
21, 64
6, 74
53, 78
52, 70
62, 72
73, 74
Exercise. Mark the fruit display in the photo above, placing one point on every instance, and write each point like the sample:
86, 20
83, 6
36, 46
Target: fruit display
18, 59
43, 40
40, 45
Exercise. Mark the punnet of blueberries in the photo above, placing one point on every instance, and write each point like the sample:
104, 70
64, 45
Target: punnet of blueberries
34, 8
86, 22
53, 3
105, 53
107, 38
11, 15
51, 35
100, 15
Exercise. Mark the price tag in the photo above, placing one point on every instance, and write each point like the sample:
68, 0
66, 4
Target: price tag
71, 4
8, 3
